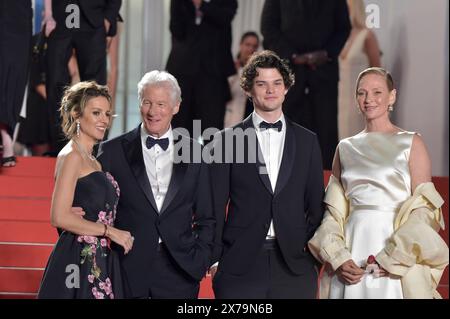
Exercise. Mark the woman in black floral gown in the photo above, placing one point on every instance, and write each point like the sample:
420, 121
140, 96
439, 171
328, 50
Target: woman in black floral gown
82, 265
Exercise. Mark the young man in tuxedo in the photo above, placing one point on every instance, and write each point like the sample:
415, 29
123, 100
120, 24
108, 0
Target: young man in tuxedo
267, 174
165, 200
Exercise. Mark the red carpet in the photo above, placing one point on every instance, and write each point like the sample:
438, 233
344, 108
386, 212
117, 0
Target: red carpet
27, 238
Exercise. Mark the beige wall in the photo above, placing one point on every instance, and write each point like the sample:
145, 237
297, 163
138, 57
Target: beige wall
413, 36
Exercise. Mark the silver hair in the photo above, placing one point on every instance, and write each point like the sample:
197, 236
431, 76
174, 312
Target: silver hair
160, 78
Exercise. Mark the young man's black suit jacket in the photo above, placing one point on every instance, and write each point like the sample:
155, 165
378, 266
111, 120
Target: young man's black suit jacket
295, 206
185, 223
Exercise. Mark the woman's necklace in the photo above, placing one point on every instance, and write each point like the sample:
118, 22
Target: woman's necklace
83, 150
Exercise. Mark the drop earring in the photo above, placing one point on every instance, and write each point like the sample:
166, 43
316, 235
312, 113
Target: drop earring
390, 108
78, 128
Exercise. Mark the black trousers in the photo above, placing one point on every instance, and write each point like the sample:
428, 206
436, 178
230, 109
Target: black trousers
15, 54
90, 49
269, 278
204, 98
168, 280
312, 103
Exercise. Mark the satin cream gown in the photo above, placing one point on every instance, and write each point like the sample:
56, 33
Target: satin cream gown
376, 180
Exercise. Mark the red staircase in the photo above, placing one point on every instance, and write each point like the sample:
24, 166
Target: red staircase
27, 238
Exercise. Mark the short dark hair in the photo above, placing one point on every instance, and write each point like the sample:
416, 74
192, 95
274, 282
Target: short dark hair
246, 35
249, 34
266, 60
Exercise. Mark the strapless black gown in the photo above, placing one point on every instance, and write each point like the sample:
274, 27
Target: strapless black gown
85, 267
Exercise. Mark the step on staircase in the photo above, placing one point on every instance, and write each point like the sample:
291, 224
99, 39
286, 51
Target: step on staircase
27, 238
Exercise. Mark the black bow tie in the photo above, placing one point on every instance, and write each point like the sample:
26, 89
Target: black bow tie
277, 125
162, 142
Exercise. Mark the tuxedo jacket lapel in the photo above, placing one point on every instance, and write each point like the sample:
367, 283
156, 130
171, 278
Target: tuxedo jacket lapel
176, 180
262, 170
260, 165
288, 159
178, 172
133, 151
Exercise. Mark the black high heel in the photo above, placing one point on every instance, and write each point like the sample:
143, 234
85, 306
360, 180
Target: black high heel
8, 160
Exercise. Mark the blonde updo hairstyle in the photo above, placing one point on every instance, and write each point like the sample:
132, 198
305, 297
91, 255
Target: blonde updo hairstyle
74, 102
379, 71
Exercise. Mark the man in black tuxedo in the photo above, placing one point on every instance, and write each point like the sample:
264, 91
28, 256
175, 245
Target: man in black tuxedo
268, 170
310, 34
201, 59
165, 200
97, 22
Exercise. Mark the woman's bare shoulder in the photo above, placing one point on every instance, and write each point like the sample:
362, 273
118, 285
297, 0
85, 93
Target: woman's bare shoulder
68, 160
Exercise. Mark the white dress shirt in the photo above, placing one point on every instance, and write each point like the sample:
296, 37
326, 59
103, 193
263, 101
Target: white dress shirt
158, 165
271, 143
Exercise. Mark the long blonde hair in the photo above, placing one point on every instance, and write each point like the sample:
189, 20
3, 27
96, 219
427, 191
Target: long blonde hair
357, 13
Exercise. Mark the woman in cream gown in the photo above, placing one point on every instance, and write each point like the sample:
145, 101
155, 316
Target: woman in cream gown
378, 170
360, 51
375, 177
